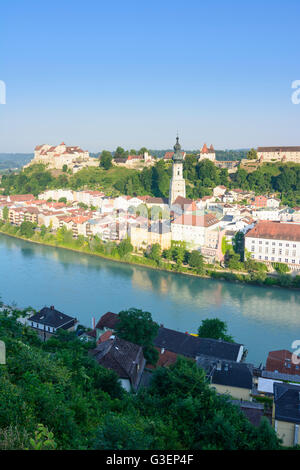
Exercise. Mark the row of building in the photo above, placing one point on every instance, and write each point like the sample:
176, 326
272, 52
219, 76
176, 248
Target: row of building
272, 232
224, 365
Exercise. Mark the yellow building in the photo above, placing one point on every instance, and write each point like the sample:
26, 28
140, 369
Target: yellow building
228, 377
157, 232
286, 413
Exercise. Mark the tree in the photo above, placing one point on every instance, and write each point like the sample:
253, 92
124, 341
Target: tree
106, 160
281, 268
125, 247
239, 244
195, 260
27, 229
5, 213
65, 168
143, 150
214, 328
63, 199
137, 326
120, 153
155, 252
252, 154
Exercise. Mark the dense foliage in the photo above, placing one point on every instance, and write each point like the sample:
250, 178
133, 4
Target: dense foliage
53, 395
201, 177
214, 328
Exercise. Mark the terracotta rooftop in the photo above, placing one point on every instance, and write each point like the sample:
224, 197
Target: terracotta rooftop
275, 231
206, 220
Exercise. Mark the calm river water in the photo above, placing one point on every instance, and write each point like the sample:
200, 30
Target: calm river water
262, 318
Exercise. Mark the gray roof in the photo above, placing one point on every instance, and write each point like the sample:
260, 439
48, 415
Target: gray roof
192, 346
280, 376
51, 317
230, 373
287, 402
125, 358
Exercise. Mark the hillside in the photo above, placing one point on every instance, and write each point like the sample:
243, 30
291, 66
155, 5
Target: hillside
57, 387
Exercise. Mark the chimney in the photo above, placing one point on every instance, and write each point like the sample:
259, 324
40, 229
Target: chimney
219, 365
93, 323
162, 350
52, 307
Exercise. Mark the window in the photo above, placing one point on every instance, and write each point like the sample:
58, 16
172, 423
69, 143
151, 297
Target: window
260, 242
266, 258
286, 260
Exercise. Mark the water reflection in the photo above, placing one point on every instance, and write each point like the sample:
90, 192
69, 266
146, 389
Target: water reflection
91, 285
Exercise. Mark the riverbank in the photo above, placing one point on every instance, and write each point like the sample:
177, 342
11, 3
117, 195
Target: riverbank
257, 279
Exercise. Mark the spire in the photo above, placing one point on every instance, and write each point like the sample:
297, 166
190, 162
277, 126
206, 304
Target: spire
204, 149
177, 151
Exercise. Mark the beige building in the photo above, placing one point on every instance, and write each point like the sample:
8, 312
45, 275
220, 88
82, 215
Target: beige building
228, 377
278, 154
142, 237
193, 229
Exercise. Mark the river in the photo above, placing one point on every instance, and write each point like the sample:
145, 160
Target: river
261, 318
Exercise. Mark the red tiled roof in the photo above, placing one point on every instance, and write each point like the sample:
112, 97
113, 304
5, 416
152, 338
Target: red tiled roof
108, 320
165, 359
206, 220
275, 231
105, 336
22, 197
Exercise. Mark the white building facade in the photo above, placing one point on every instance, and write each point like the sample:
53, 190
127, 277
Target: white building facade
275, 242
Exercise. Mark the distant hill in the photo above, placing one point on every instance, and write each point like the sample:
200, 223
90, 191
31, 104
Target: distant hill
10, 161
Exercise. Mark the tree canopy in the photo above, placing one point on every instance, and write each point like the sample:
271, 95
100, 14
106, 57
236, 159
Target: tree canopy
214, 328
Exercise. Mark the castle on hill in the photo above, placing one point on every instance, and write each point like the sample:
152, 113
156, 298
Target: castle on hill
57, 157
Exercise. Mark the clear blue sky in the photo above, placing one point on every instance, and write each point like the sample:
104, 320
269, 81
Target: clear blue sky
100, 74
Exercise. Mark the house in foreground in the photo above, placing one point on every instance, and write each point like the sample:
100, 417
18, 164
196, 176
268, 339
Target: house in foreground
286, 413
194, 347
228, 377
48, 320
124, 358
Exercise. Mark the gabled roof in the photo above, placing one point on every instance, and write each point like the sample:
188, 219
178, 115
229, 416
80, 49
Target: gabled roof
108, 320
275, 231
192, 346
206, 220
51, 317
230, 373
121, 356
287, 402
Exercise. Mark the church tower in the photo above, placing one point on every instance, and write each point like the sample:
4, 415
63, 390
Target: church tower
177, 184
